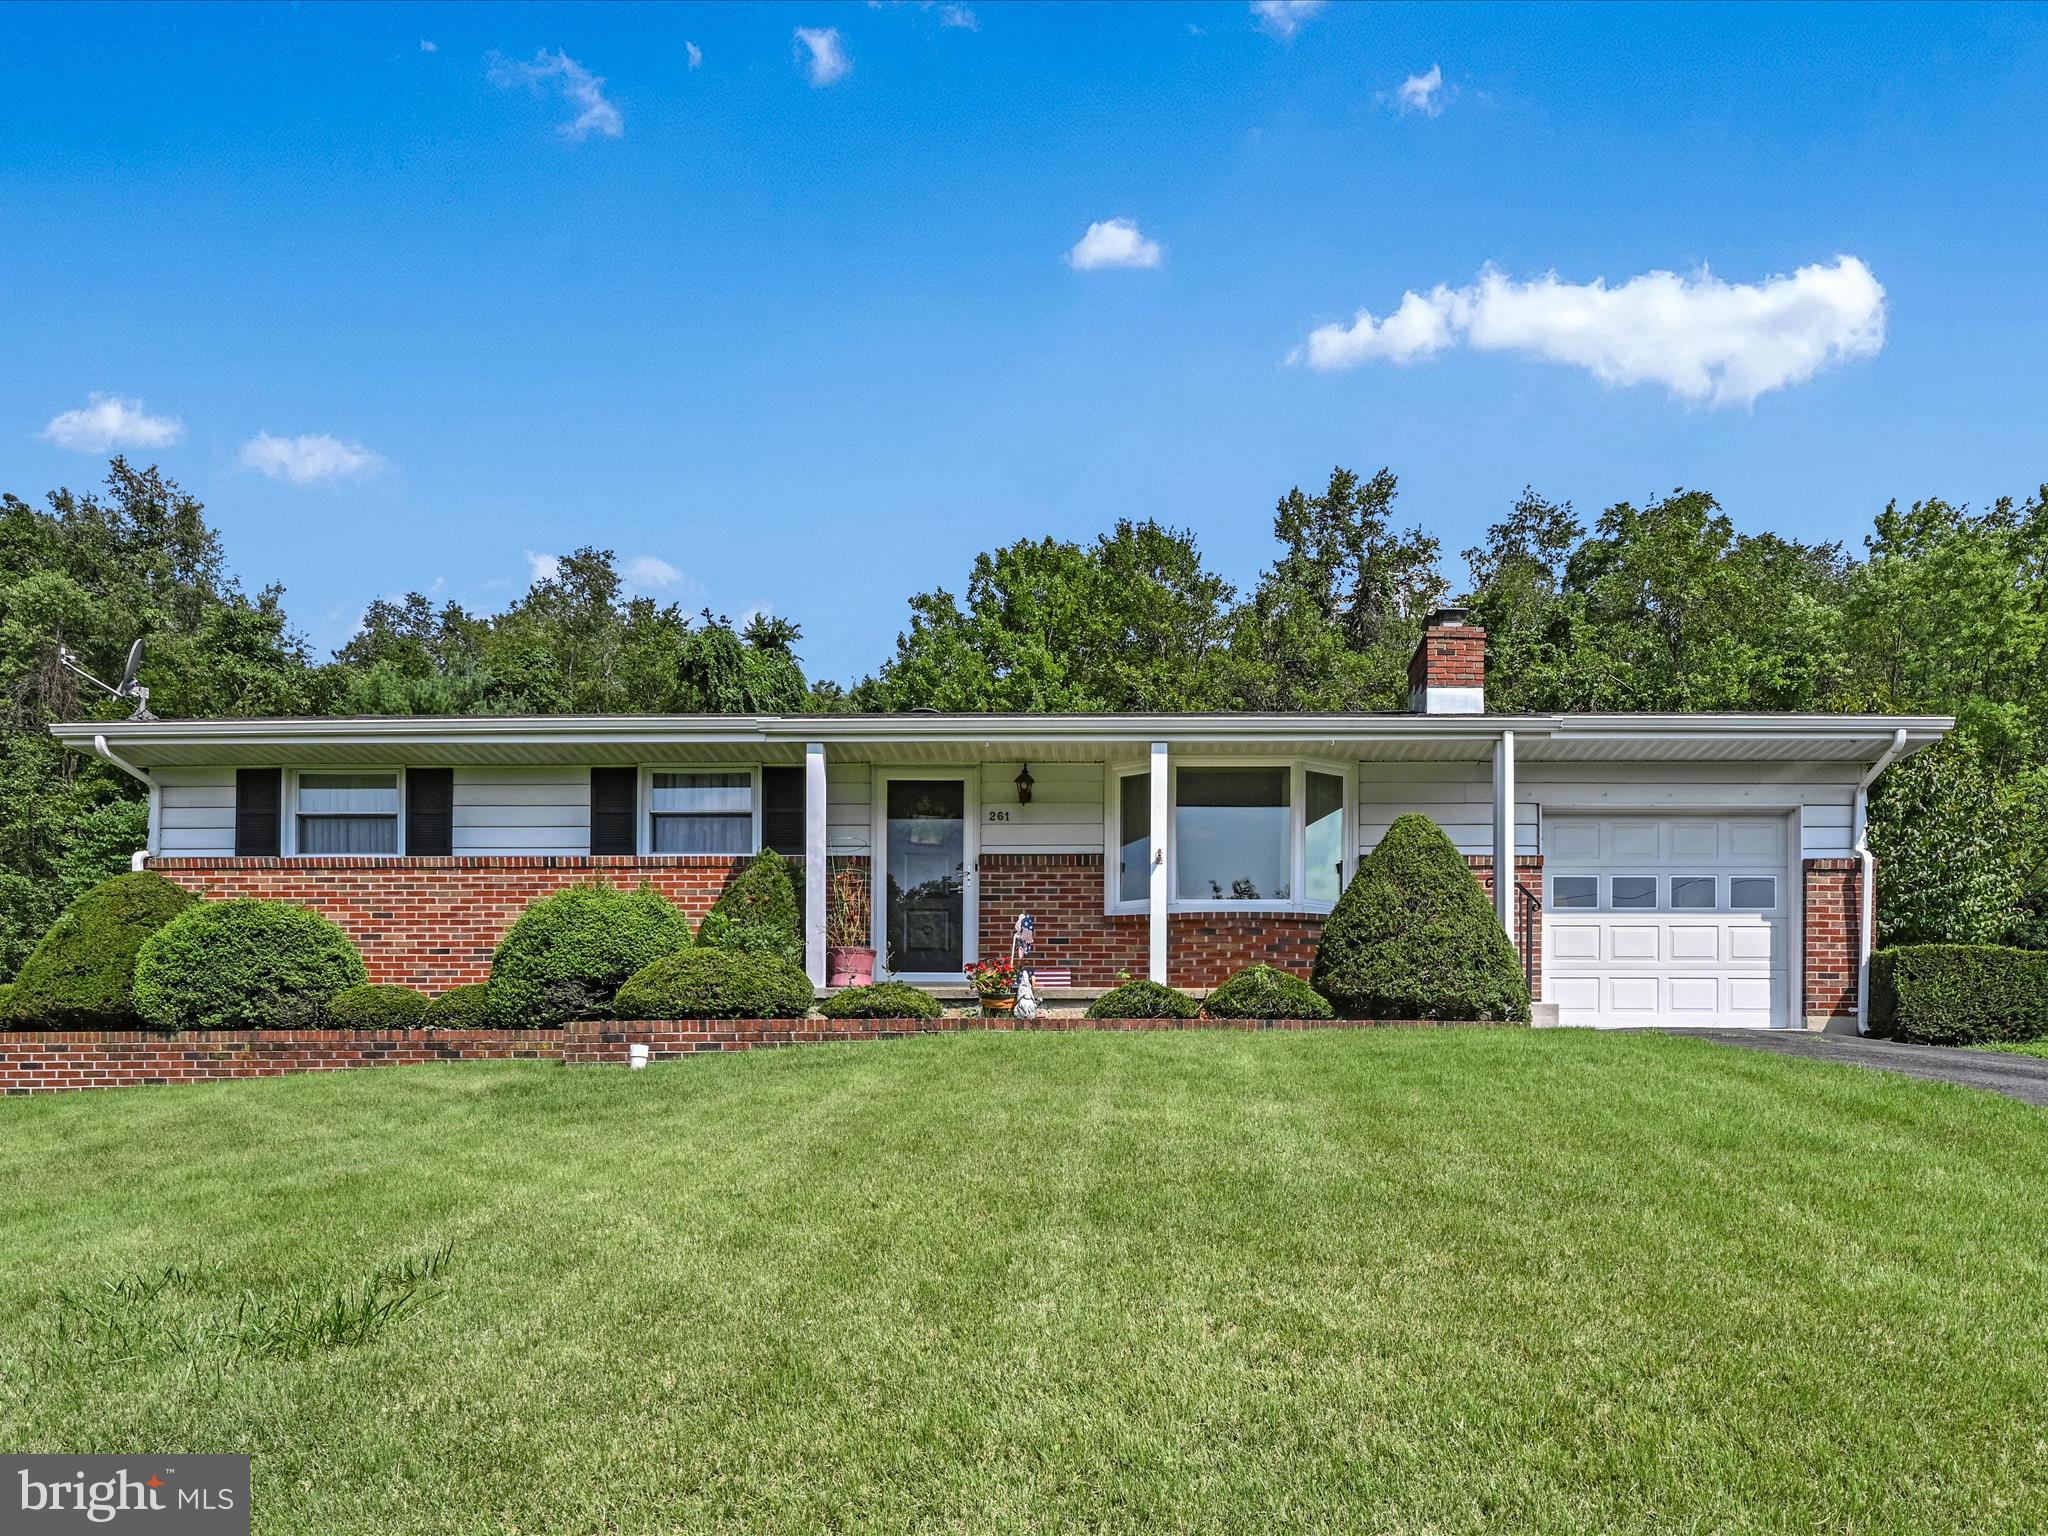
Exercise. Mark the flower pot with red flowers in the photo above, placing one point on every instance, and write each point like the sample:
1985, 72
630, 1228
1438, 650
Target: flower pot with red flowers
995, 983
849, 957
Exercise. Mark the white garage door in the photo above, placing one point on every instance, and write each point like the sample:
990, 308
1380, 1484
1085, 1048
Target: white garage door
1666, 919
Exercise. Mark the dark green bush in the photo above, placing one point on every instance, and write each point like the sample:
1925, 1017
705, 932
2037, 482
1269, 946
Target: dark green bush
1958, 994
82, 974
569, 953
1144, 1000
244, 965
6, 999
758, 913
375, 1007
458, 1008
1415, 937
715, 984
883, 1000
1261, 992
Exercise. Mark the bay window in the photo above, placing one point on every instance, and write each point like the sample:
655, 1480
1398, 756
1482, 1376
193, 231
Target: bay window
348, 813
1269, 835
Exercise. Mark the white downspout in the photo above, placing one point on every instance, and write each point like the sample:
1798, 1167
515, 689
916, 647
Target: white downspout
141, 855
1866, 884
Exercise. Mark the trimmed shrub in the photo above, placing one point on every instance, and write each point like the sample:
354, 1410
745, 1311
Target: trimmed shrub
244, 965
568, 954
375, 1007
715, 984
458, 1008
758, 914
1144, 1000
6, 997
1261, 992
1415, 937
883, 1000
1958, 994
82, 974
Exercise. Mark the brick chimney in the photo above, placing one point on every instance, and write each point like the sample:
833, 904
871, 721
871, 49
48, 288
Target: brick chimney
1447, 673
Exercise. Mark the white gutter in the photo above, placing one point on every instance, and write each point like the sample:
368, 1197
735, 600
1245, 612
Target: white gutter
99, 745
1866, 884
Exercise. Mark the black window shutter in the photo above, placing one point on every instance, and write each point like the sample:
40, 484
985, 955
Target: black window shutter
259, 803
614, 806
429, 812
782, 810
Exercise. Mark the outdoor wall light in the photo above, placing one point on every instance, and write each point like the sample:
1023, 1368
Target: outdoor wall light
1024, 786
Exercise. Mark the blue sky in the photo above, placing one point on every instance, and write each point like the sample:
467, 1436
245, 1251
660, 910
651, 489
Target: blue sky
404, 315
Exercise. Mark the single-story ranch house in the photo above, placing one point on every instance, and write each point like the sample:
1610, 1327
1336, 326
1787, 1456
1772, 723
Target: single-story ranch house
1667, 868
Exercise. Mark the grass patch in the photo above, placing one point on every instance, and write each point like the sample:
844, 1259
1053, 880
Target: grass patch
1410, 1283
2017, 1047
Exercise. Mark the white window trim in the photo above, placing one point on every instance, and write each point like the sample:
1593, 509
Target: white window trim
645, 831
1298, 769
288, 833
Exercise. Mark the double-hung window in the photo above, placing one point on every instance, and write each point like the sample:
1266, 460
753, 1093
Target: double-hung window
700, 811
347, 813
1243, 834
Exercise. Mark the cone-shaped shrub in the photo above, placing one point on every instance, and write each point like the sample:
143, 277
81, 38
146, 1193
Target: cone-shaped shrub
458, 1008
883, 1000
1414, 937
1143, 1000
568, 954
244, 965
376, 1007
82, 975
758, 913
1261, 992
716, 984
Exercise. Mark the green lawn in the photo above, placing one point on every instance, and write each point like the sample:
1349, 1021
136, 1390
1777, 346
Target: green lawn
1413, 1282
2021, 1048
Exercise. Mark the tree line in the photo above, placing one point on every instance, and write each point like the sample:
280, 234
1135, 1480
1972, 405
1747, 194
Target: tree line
1662, 606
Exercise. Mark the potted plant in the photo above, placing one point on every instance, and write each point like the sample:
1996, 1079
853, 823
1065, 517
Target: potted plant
849, 957
995, 982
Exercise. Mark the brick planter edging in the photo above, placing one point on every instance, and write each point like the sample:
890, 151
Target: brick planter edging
69, 1061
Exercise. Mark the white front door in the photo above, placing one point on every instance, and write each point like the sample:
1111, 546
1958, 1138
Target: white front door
1667, 919
925, 888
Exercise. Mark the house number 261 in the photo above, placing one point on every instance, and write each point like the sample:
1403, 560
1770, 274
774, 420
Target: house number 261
998, 815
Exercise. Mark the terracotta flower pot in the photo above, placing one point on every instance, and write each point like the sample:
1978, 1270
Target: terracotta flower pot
850, 966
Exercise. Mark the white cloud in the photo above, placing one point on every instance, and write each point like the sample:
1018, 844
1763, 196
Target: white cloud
429, 46
1422, 93
1113, 243
577, 85
644, 571
1701, 338
307, 459
696, 54
959, 16
822, 51
107, 421
540, 567
1283, 18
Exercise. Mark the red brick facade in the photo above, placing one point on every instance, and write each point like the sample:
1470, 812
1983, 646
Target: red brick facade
1528, 919
1834, 918
432, 923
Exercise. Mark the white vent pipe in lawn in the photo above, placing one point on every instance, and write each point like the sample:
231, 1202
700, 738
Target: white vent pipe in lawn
636, 1056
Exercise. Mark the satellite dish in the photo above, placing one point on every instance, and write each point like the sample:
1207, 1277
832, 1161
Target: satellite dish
127, 688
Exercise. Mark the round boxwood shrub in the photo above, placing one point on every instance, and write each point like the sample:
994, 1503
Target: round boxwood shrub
1144, 1000
244, 965
568, 954
883, 1000
375, 1007
715, 984
1261, 992
458, 1008
82, 974
757, 913
1958, 994
1415, 937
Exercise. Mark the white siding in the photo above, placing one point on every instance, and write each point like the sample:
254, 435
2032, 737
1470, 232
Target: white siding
1457, 796
543, 810
197, 815
849, 806
1064, 816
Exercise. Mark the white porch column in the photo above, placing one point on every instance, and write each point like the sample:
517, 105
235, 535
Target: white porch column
816, 895
1504, 831
1162, 822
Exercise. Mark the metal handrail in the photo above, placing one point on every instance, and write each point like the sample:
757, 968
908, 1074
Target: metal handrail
1527, 907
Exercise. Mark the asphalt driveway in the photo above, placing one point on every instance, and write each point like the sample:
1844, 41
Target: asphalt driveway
2018, 1077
